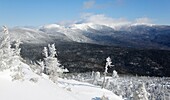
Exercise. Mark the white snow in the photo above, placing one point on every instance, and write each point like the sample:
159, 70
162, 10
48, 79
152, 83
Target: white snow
86, 26
83, 26
45, 89
26, 90
86, 91
28, 35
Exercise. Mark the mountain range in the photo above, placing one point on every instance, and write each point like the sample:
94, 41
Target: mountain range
135, 36
135, 49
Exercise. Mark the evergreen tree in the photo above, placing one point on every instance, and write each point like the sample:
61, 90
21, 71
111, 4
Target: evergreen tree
96, 77
114, 74
51, 65
10, 57
16, 49
141, 93
5, 50
52, 50
42, 66
45, 52
108, 64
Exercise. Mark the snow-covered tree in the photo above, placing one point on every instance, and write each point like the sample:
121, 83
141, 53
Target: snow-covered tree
92, 74
16, 66
17, 50
5, 50
108, 64
45, 52
114, 74
42, 66
17, 73
52, 50
10, 57
51, 65
141, 93
37, 67
96, 77
8, 54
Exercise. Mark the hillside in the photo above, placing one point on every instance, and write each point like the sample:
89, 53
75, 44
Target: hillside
82, 57
45, 89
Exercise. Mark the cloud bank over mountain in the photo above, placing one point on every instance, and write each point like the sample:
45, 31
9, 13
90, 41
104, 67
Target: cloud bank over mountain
102, 19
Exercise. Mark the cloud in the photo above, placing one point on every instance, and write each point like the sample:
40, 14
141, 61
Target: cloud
143, 20
103, 19
89, 4
110, 21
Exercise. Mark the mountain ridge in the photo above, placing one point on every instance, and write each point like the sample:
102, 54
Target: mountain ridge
134, 36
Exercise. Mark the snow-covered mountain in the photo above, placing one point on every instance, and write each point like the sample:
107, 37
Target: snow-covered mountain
29, 35
134, 35
64, 32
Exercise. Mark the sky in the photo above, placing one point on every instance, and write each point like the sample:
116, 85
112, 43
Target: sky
41, 12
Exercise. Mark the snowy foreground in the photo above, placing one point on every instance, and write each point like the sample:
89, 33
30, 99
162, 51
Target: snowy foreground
45, 89
157, 88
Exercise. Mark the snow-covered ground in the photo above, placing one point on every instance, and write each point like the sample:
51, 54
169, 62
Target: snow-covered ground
86, 91
125, 86
45, 89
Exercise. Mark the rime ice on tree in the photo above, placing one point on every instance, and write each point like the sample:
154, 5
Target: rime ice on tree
51, 65
141, 93
114, 74
10, 57
96, 77
108, 64
5, 50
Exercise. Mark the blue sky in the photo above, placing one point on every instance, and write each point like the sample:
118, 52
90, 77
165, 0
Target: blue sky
40, 12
